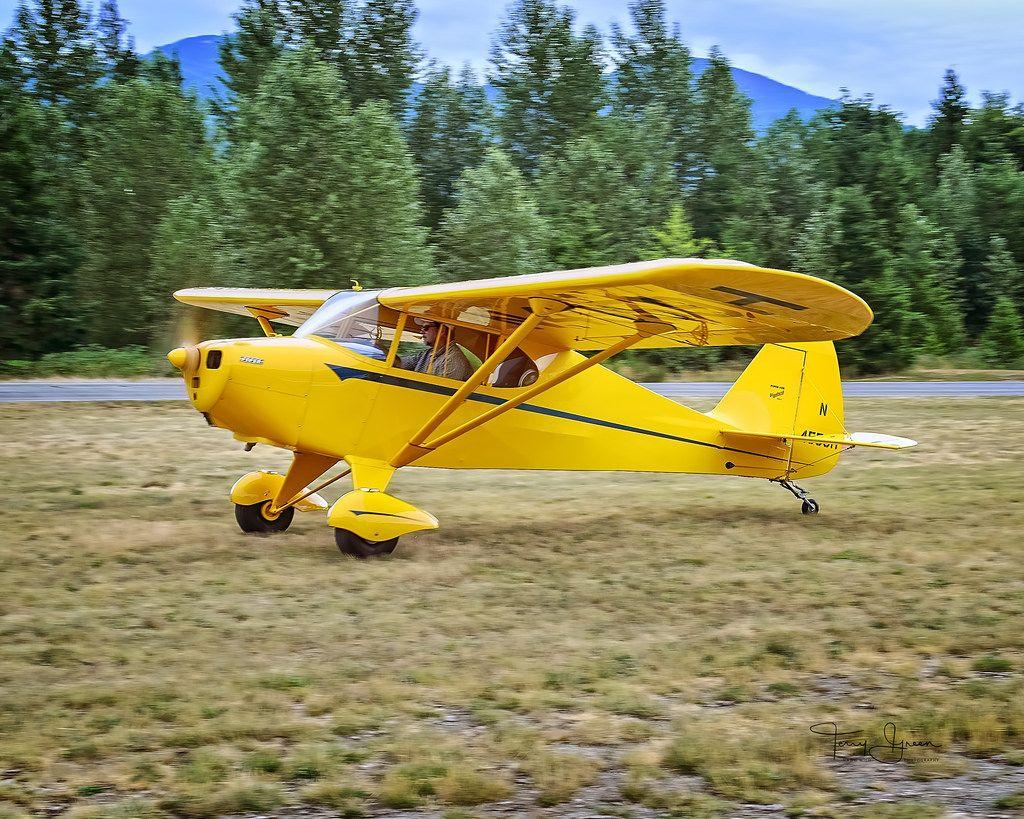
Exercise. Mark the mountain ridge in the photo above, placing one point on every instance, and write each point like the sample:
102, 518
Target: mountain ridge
770, 99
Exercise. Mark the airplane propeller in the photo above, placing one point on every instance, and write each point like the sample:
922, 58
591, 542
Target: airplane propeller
187, 332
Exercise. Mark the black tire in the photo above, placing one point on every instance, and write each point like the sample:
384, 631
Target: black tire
809, 507
253, 520
351, 544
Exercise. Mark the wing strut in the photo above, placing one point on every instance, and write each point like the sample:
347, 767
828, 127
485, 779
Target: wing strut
539, 309
643, 330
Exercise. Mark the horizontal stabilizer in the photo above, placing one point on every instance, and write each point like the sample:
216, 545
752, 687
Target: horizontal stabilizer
876, 440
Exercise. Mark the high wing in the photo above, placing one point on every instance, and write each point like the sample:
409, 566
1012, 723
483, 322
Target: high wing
282, 306
706, 302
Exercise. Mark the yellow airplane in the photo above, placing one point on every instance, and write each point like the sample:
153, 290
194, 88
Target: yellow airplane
503, 384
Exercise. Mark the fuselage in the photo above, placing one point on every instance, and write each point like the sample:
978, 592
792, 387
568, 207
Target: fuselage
313, 395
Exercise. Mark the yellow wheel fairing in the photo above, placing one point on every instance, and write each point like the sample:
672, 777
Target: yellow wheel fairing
377, 516
263, 486
256, 487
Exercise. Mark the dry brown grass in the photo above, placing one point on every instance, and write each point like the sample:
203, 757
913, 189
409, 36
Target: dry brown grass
562, 637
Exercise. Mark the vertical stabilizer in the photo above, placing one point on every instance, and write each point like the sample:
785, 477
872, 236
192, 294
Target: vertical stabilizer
790, 389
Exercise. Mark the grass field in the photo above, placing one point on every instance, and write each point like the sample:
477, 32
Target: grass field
566, 645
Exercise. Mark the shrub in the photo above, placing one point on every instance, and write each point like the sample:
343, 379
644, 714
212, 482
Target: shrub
1002, 343
347, 799
463, 786
90, 362
992, 664
263, 761
203, 767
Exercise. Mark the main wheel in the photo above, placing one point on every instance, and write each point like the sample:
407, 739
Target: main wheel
809, 507
255, 518
351, 544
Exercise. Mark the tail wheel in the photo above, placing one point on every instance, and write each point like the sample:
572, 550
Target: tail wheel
809, 506
351, 544
257, 518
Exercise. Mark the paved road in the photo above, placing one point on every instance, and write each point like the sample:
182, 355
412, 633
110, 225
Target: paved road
866, 389
169, 389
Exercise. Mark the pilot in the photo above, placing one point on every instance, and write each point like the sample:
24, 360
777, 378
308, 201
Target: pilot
448, 361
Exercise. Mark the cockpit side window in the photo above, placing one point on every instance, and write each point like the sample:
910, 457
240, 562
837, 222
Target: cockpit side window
444, 350
456, 351
357, 322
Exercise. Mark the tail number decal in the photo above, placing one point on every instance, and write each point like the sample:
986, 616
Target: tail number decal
812, 433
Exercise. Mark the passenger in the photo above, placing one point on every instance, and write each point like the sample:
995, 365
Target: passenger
448, 361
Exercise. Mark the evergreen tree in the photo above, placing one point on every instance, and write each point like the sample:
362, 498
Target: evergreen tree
188, 248
722, 143
843, 243
999, 202
595, 215
675, 239
858, 144
954, 209
996, 131
922, 264
495, 229
548, 77
383, 56
1002, 277
781, 193
38, 254
147, 148
116, 48
245, 57
387, 244
448, 133
643, 147
323, 195
162, 68
290, 194
1002, 343
951, 111
653, 67
604, 194
53, 43
321, 25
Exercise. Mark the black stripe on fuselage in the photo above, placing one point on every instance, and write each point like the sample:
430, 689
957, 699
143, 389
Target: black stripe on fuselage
345, 373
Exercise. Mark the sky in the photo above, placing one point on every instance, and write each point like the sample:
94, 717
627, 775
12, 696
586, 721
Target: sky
896, 50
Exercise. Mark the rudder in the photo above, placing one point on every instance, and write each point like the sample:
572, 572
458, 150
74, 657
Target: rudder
790, 389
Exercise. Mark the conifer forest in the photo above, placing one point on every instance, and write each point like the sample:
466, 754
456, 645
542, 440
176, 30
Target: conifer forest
337, 150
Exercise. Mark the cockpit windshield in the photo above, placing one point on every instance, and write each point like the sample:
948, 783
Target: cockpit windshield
354, 320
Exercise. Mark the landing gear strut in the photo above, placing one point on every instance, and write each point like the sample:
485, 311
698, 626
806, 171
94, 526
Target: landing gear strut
808, 505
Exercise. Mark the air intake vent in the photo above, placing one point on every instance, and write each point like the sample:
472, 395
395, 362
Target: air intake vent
213, 359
